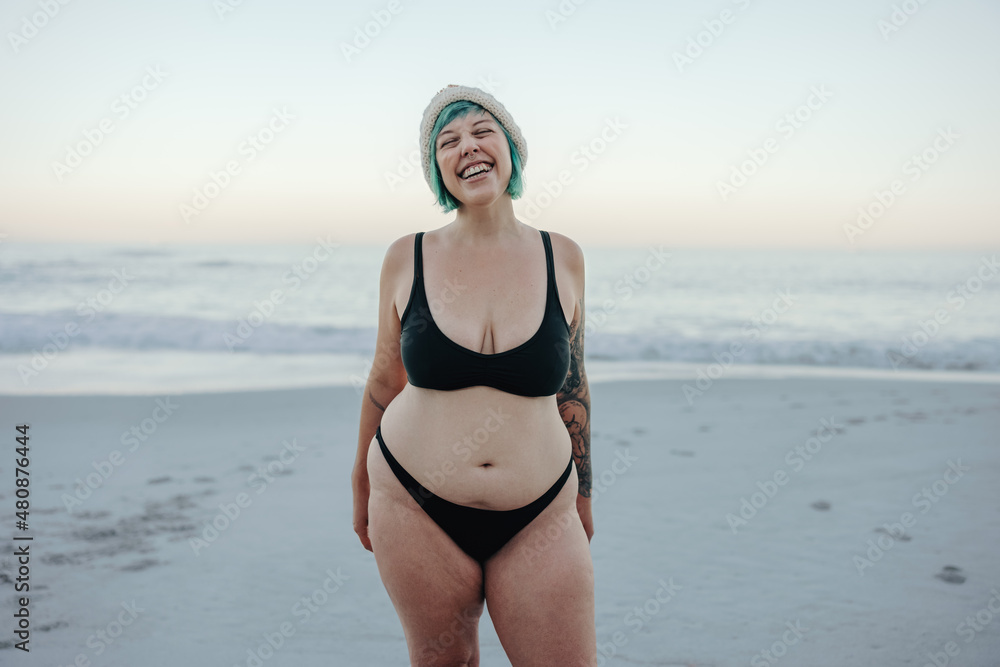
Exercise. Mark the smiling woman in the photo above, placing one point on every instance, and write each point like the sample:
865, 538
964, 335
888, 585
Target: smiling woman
474, 445
480, 123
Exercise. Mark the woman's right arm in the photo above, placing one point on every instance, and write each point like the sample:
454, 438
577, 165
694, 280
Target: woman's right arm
385, 380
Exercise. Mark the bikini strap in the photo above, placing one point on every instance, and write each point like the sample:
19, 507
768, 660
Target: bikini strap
418, 263
552, 301
550, 263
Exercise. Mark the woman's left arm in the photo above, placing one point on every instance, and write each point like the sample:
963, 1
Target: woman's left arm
574, 401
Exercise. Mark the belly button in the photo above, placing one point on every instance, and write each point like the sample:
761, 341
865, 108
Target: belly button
486, 465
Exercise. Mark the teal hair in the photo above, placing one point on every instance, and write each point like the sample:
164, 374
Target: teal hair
461, 109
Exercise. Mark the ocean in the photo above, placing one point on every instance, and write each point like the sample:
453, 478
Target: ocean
105, 318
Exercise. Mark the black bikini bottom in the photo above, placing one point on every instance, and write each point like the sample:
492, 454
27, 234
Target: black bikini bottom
478, 532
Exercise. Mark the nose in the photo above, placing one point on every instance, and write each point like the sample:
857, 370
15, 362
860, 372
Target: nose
469, 146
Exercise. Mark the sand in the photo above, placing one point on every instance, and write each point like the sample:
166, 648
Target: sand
820, 521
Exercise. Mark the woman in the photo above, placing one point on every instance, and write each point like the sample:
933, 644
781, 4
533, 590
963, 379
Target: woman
472, 479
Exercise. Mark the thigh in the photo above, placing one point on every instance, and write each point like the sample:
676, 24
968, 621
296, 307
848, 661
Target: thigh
540, 589
435, 587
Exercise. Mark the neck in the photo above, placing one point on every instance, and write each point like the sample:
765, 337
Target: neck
487, 221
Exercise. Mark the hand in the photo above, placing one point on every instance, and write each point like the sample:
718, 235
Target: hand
586, 516
361, 489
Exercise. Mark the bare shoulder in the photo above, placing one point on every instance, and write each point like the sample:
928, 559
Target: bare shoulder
568, 253
398, 256
569, 249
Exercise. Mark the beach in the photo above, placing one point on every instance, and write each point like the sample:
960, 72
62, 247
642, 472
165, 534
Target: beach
812, 520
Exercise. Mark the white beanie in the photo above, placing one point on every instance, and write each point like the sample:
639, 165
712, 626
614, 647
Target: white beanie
453, 93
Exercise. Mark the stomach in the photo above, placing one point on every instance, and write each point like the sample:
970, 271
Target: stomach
477, 446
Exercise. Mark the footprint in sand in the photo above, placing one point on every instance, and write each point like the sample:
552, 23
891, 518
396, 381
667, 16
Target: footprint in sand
951, 575
902, 538
55, 625
95, 534
140, 565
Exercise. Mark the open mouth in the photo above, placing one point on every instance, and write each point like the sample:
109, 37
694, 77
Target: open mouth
475, 170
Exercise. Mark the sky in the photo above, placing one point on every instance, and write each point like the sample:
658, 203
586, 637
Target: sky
860, 124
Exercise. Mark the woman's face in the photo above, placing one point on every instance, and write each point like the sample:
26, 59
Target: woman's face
475, 139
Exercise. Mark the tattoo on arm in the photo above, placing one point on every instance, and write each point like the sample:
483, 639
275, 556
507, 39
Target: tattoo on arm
574, 405
374, 402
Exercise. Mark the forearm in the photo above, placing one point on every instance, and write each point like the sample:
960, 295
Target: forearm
575, 412
377, 395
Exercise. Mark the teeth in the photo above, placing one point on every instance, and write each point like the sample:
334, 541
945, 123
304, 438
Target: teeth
475, 169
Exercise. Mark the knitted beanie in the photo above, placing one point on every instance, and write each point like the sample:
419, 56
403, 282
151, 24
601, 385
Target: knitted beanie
453, 93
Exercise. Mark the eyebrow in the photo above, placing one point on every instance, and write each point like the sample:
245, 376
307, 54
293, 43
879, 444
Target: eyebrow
442, 132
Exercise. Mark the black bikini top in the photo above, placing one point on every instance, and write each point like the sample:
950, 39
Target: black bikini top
536, 367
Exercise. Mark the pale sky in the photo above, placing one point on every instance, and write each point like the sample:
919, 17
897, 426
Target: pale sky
201, 76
